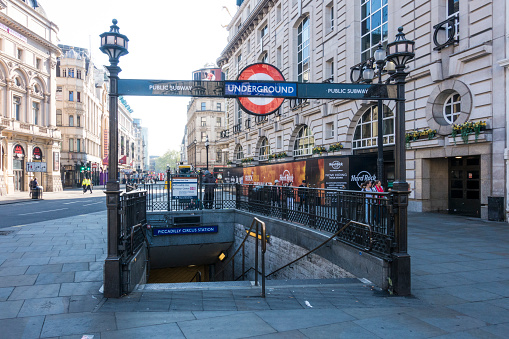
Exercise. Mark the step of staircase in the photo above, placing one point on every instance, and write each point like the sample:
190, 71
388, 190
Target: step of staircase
231, 285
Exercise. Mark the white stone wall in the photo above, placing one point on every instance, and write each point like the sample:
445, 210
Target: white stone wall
471, 67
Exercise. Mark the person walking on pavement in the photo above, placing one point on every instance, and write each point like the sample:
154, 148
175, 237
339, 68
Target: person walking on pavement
84, 184
89, 185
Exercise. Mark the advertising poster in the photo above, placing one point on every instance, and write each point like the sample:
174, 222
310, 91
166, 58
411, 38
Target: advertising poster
184, 188
336, 172
56, 161
287, 173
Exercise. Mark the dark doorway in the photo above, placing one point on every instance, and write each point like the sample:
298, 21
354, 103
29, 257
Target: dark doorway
465, 186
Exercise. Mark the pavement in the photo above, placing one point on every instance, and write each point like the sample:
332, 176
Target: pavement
51, 276
68, 193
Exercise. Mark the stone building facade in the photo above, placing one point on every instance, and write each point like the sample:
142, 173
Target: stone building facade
79, 115
28, 132
456, 77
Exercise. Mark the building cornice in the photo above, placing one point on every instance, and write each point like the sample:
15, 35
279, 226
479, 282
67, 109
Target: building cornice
247, 28
29, 33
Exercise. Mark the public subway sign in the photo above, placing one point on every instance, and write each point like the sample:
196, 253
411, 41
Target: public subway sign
190, 88
184, 230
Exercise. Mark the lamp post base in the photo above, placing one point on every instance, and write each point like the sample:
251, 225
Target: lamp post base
112, 286
401, 274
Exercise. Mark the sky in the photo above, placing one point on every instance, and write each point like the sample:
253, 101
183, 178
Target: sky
168, 40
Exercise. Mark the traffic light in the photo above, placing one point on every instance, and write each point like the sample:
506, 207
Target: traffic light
82, 169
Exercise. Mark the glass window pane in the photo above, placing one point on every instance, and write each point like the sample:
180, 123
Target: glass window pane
385, 32
375, 4
388, 126
473, 161
376, 19
365, 42
376, 35
357, 134
366, 131
457, 194
457, 184
365, 10
473, 195
473, 184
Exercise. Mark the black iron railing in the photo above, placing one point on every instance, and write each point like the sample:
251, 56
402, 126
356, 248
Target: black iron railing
133, 216
450, 26
322, 209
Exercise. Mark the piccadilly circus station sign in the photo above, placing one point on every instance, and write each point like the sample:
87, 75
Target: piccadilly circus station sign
260, 89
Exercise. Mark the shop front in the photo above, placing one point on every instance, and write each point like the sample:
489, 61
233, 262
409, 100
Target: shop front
18, 168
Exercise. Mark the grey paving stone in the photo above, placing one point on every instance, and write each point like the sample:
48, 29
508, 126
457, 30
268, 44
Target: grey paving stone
297, 319
71, 259
17, 270
484, 311
81, 276
40, 254
54, 278
36, 291
215, 314
230, 326
470, 293
74, 267
283, 335
500, 330
84, 303
96, 265
500, 288
399, 326
5, 292
54, 268
25, 261
17, 280
77, 323
133, 319
504, 303
219, 305
80, 288
149, 306
154, 331
44, 306
10, 309
21, 327
346, 330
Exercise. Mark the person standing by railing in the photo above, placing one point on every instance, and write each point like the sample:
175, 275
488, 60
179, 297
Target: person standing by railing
302, 191
378, 209
210, 183
367, 186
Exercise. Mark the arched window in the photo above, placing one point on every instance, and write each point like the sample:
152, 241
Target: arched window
366, 132
304, 142
264, 150
71, 120
452, 108
239, 153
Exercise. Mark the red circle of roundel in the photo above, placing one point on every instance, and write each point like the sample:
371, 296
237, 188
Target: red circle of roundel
260, 105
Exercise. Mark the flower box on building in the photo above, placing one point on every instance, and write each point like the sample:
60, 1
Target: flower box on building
484, 136
425, 143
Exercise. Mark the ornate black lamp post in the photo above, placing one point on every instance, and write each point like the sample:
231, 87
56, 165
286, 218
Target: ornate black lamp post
379, 57
207, 144
400, 52
114, 45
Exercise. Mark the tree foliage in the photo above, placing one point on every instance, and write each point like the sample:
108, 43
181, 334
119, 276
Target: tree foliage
171, 157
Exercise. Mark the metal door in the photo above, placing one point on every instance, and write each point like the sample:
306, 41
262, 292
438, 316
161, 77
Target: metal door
465, 186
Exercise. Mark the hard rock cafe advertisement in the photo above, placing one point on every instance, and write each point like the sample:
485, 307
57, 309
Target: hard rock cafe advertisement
346, 172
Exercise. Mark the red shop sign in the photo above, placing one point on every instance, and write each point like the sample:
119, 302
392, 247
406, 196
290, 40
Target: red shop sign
37, 153
19, 150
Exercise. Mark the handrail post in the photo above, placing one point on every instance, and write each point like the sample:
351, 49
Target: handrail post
264, 248
168, 185
243, 261
256, 255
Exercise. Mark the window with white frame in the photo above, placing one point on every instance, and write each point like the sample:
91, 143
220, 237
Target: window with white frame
71, 95
304, 142
203, 136
70, 73
239, 153
16, 103
78, 121
203, 106
374, 25
278, 13
329, 70
218, 156
452, 108
203, 122
279, 142
453, 9
78, 145
264, 150
38, 63
78, 73
248, 46
71, 145
218, 106
265, 57
71, 120
19, 54
303, 51
329, 17
35, 112
264, 31
218, 121
329, 130
366, 132
59, 117
58, 96
238, 114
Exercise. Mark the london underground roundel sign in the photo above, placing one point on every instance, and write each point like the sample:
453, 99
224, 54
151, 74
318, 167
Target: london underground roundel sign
260, 105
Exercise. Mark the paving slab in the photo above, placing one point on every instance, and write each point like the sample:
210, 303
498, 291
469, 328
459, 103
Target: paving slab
77, 324
44, 306
36, 291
